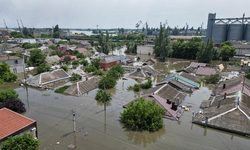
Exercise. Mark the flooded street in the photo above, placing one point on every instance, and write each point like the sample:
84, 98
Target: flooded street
97, 129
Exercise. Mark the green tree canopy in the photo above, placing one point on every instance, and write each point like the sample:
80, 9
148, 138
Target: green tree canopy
96, 63
25, 31
43, 68
52, 47
84, 62
37, 57
162, 46
141, 115
227, 52
67, 59
103, 96
104, 44
205, 53
58, 53
5, 94
247, 76
5, 74
107, 81
212, 79
21, 142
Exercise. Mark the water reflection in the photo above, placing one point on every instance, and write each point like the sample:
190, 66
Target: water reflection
102, 104
145, 137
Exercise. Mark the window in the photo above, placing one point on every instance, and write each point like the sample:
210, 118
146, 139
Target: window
16, 61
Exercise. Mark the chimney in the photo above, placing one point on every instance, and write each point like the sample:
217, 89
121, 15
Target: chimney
218, 106
225, 95
177, 101
214, 92
224, 86
168, 101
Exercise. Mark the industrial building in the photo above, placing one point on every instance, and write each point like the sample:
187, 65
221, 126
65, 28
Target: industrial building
228, 29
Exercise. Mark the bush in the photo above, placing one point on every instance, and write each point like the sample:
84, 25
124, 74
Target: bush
247, 76
21, 142
212, 79
75, 52
135, 88
8, 94
80, 55
13, 104
75, 62
234, 63
143, 115
62, 89
5, 74
65, 68
84, 63
75, 76
90, 68
52, 47
98, 72
147, 85
103, 96
43, 68
110, 82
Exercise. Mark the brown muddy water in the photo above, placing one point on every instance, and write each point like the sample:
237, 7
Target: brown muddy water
99, 129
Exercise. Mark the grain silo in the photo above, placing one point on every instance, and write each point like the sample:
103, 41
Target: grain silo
247, 31
219, 32
235, 31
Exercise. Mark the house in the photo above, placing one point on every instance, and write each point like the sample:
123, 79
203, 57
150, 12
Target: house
65, 50
81, 87
64, 33
109, 62
191, 77
82, 50
16, 63
75, 36
51, 59
143, 72
84, 44
48, 79
189, 70
181, 82
13, 124
228, 112
196, 65
21, 41
168, 98
233, 85
204, 71
150, 61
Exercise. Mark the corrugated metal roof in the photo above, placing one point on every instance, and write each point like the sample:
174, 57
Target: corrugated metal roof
181, 78
115, 58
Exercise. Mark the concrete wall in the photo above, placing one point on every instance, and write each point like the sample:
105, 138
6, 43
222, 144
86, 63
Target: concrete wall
145, 49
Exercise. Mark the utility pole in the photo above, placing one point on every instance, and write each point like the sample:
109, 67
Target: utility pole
74, 119
24, 73
104, 96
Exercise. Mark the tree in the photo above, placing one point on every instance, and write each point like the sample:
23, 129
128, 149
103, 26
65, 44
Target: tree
21, 142
212, 79
84, 62
98, 72
141, 115
56, 29
104, 44
131, 47
65, 68
80, 55
75, 62
27, 45
58, 53
162, 46
96, 63
205, 54
75, 76
116, 71
103, 96
67, 59
43, 68
5, 94
107, 81
13, 104
90, 68
52, 47
75, 52
37, 57
25, 31
5, 74
227, 52
247, 76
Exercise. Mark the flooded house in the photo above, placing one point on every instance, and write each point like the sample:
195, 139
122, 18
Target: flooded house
81, 87
143, 73
228, 112
13, 124
65, 50
197, 65
168, 98
205, 71
180, 83
48, 79
16, 63
109, 62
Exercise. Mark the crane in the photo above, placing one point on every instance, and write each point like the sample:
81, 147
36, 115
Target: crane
5, 24
21, 23
138, 24
19, 26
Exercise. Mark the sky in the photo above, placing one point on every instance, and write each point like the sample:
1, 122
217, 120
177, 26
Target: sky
117, 13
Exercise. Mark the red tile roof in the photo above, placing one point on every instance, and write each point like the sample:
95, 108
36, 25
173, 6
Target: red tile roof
71, 56
11, 122
205, 71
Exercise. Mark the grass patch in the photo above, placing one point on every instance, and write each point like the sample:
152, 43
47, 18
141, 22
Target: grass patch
234, 63
62, 89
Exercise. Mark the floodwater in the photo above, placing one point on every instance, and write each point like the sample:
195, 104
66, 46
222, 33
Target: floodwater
99, 129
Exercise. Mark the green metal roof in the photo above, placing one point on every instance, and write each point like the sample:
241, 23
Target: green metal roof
183, 79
